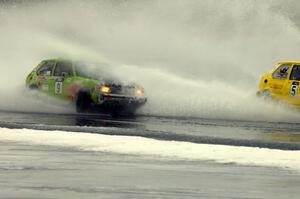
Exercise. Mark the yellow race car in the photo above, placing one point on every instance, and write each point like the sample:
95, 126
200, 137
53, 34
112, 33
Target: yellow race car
282, 83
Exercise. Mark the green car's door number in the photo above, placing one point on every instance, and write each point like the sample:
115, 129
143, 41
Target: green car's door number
294, 88
58, 87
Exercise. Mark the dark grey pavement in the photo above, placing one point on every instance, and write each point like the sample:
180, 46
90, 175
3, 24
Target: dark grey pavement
28, 171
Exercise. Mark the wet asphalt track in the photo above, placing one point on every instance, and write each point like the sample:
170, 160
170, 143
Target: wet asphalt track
285, 136
28, 171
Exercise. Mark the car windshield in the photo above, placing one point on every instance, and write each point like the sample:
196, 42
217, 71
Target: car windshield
95, 71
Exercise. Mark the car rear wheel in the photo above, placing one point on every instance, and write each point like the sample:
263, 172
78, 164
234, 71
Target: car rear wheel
33, 87
83, 102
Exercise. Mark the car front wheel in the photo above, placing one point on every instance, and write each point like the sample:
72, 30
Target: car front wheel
266, 95
83, 102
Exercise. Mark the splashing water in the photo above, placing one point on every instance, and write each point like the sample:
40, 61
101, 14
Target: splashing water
194, 58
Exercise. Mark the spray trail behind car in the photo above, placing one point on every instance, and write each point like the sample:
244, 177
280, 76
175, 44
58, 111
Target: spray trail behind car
200, 59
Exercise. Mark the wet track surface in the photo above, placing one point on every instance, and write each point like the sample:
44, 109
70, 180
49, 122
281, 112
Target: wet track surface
285, 136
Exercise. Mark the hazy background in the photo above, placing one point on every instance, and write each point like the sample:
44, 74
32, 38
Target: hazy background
194, 58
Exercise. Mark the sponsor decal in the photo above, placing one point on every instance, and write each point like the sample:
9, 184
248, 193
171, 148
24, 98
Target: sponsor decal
41, 80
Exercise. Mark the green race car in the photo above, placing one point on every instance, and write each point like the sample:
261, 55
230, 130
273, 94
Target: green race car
88, 87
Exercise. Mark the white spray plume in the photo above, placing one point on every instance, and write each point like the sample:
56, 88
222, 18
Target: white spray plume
194, 58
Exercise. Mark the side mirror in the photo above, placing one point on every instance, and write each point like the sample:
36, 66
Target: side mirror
48, 73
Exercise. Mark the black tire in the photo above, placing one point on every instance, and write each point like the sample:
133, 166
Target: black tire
83, 102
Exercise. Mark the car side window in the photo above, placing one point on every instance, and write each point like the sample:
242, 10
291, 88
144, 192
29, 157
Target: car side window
45, 69
295, 74
63, 68
282, 71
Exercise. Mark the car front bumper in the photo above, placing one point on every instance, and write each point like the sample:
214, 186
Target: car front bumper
124, 102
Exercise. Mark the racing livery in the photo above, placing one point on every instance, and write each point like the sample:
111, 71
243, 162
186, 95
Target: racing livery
282, 83
80, 83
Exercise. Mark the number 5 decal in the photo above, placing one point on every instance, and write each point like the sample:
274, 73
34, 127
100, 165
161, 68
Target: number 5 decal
58, 87
294, 88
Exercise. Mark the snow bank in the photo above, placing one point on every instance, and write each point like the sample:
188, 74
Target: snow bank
171, 150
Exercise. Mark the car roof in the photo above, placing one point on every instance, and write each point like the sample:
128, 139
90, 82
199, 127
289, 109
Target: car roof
75, 62
57, 59
289, 62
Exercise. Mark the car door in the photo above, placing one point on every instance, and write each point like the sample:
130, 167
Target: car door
44, 73
60, 84
279, 81
292, 87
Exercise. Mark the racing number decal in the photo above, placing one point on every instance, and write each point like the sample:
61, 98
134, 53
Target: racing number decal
294, 88
58, 87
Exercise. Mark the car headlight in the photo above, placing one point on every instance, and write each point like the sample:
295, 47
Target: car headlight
139, 92
105, 89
